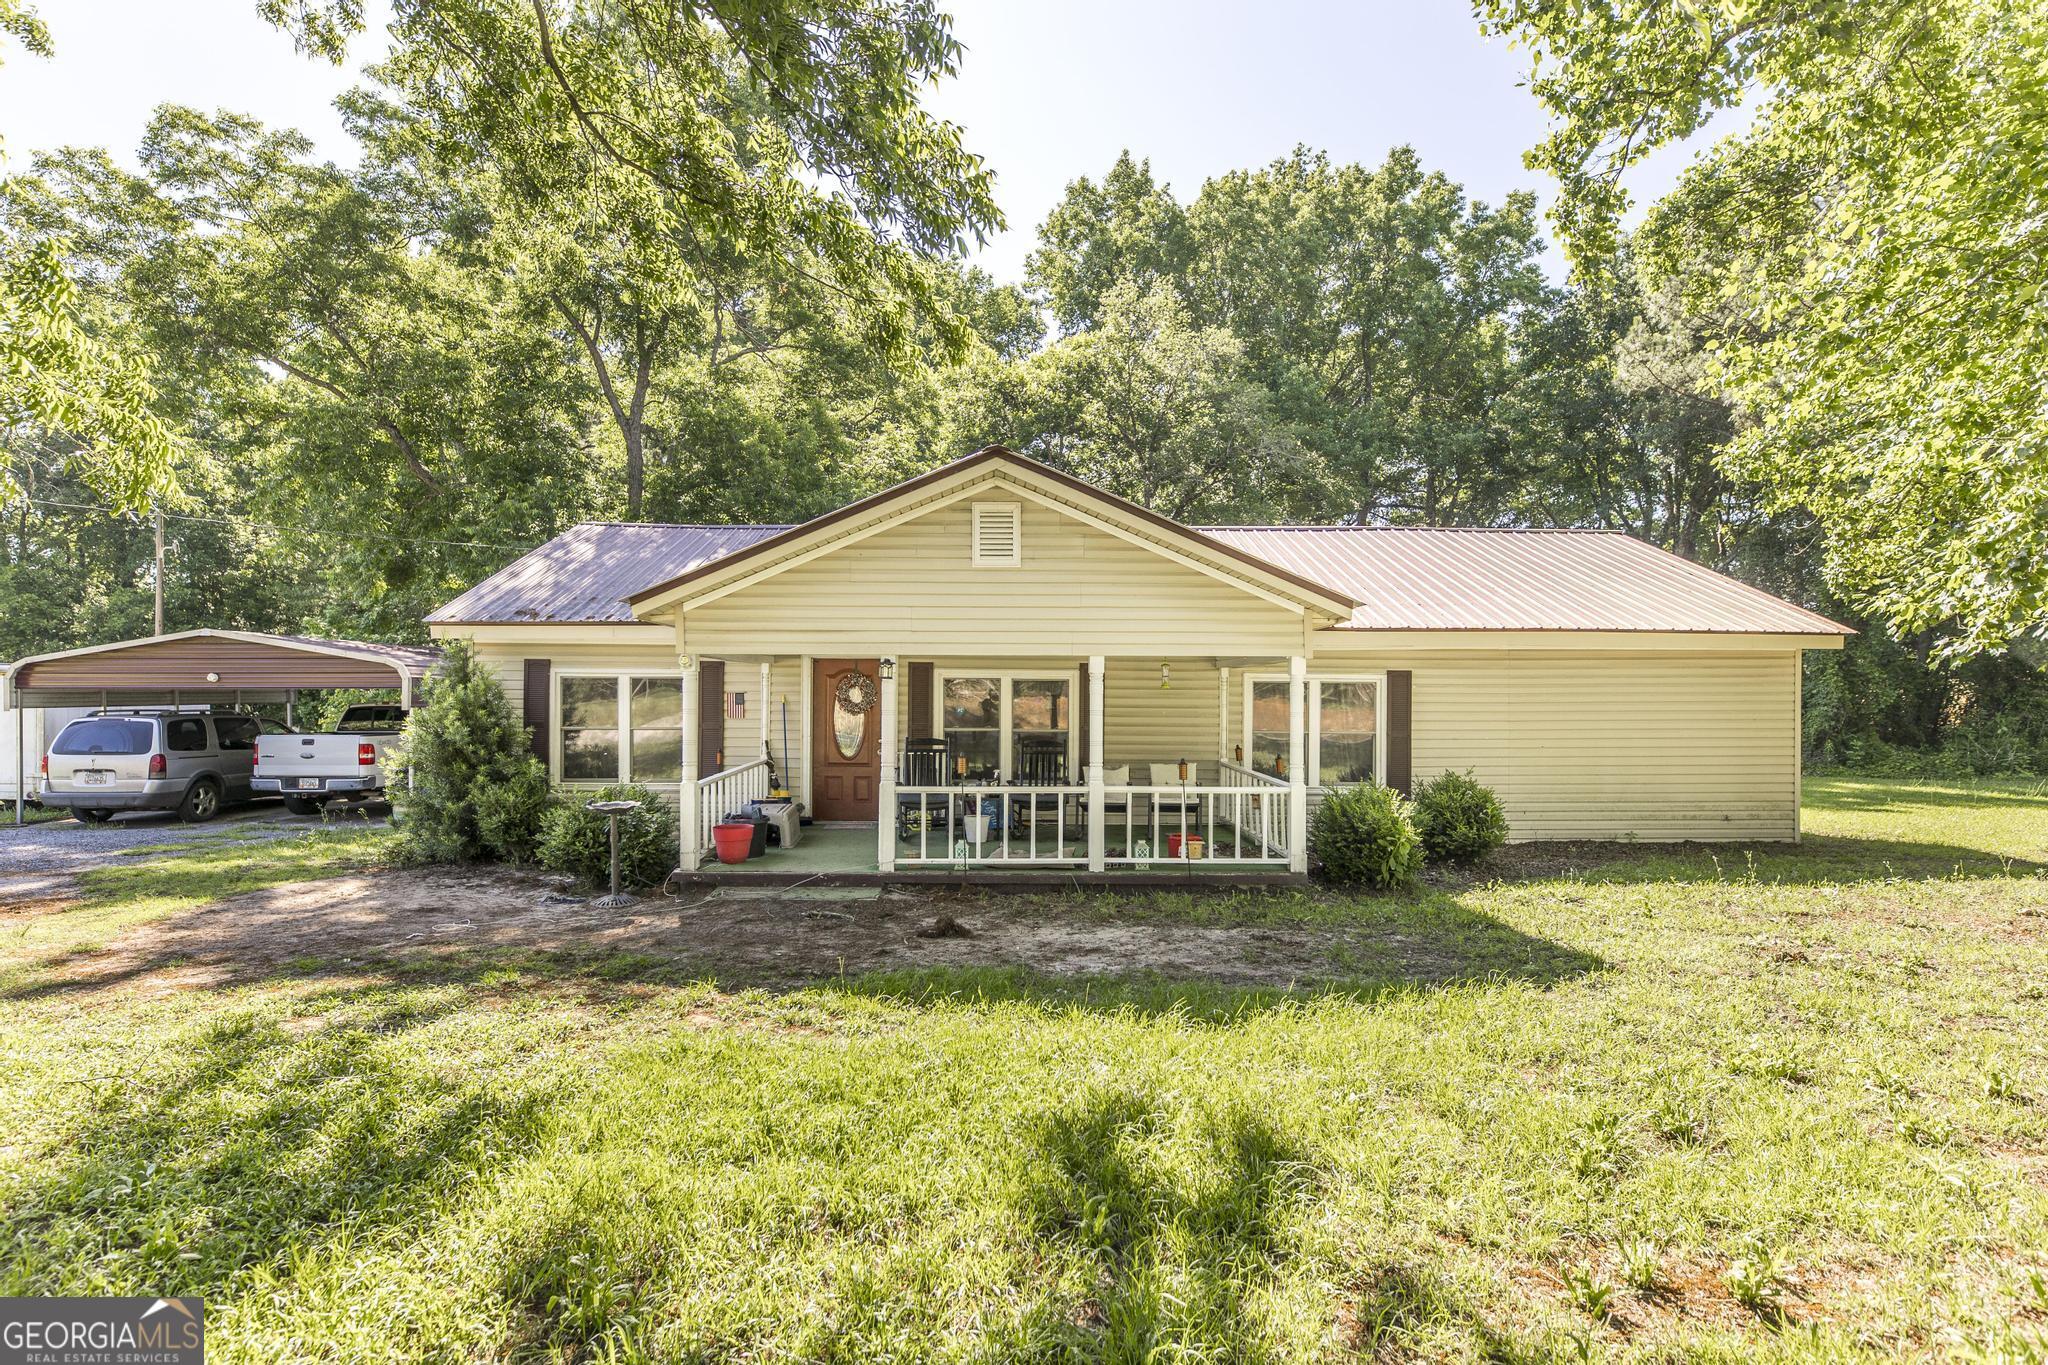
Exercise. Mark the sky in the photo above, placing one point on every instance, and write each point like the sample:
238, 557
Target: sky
1048, 90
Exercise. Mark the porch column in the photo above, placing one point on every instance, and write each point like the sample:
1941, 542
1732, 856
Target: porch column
1297, 764
1098, 818
686, 797
1222, 719
761, 705
885, 808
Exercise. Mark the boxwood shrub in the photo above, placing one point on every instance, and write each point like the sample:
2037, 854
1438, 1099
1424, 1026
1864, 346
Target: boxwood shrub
1459, 818
1365, 836
578, 841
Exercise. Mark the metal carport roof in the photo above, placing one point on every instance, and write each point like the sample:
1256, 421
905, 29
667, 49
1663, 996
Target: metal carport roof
214, 666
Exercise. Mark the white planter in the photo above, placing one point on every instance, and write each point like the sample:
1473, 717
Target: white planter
977, 828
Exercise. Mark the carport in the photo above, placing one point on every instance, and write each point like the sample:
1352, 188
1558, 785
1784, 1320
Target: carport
207, 668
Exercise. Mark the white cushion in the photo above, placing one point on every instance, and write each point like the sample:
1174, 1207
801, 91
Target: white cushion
1116, 777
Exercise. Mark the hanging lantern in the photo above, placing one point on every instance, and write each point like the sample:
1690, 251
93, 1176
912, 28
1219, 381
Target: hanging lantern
1183, 770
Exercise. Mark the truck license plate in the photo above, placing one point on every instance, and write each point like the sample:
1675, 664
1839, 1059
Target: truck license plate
92, 777
307, 784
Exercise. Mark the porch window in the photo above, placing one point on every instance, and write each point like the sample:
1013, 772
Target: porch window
990, 717
590, 729
971, 719
621, 728
1341, 731
1038, 710
1268, 725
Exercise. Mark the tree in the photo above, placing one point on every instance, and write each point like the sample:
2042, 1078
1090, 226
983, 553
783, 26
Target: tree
1877, 238
791, 130
1129, 227
60, 371
1147, 405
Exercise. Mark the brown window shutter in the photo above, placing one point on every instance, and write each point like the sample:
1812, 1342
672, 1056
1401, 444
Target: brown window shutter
710, 716
920, 726
534, 705
1400, 730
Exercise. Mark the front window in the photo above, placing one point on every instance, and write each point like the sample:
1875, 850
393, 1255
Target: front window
1347, 726
1006, 725
1340, 732
590, 729
622, 729
971, 717
1038, 718
657, 706
1268, 748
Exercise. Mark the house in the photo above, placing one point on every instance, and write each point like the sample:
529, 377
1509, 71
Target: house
998, 665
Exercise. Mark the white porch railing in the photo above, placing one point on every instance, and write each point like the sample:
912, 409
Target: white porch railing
722, 793
1243, 819
940, 820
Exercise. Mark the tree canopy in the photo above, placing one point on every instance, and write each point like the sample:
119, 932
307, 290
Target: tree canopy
1873, 245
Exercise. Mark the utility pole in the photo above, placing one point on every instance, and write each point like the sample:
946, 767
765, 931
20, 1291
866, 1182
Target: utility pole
158, 515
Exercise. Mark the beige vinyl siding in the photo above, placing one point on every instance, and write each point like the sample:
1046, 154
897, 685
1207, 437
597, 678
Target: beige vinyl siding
1650, 745
911, 592
1646, 746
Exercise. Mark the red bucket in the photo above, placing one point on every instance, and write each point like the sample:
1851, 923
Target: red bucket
1173, 845
734, 840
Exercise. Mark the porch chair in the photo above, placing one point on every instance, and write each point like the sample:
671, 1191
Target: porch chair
1041, 762
924, 765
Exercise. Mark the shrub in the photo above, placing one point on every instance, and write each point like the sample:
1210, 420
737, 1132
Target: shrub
461, 743
1458, 818
1365, 836
509, 814
578, 841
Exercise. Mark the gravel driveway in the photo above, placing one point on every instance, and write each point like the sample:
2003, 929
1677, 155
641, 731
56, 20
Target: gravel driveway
35, 860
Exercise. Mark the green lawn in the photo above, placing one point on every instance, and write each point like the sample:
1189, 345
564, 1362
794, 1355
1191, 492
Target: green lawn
1728, 1104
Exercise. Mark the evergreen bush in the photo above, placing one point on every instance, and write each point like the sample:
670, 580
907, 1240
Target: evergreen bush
1365, 836
461, 744
578, 841
1459, 818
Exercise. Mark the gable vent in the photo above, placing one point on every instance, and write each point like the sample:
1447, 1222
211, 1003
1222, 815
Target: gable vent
998, 535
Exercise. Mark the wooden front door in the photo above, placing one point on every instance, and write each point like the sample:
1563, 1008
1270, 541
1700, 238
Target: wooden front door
846, 740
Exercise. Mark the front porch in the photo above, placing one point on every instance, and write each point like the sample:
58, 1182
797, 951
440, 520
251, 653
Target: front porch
951, 770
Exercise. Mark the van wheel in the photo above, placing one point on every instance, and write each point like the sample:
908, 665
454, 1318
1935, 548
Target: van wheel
299, 805
93, 817
202, 801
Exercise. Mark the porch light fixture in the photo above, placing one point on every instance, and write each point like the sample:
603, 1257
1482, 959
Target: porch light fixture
888, 670
1165, 676
213, 677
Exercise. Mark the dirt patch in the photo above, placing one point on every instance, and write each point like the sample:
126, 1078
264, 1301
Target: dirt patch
347, 922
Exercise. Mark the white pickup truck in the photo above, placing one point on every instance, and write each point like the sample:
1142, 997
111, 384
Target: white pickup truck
311, 770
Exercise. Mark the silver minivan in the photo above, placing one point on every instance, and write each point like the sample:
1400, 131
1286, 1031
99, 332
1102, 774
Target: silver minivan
188, 762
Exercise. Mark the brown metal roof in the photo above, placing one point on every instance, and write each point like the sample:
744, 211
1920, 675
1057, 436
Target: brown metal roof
588, 572
240, 662
1421, 578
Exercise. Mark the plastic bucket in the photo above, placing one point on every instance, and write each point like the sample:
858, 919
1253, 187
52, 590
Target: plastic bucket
1173, 845
735, 841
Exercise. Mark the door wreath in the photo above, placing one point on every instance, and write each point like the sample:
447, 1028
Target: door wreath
856, 694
